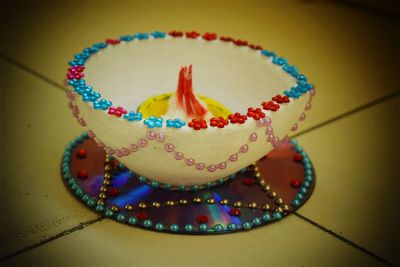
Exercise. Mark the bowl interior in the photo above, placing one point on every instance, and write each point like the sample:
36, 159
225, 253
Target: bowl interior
238, 77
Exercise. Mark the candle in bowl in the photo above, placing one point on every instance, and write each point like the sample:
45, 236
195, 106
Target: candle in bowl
265, 94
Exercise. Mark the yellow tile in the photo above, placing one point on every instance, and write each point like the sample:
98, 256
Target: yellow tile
36, 126
349, 55
291, 242
357, 192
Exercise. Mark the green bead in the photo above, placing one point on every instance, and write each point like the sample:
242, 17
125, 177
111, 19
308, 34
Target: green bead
221, 180
99, 208
195, 188
79, 192
74, 187
85, 197
120, 218
295, 202
307, 166
277, 215
209, 184
181, 188
167, 186
147, 223
154, 184
91, 202
232, 227
306, 184
109, 213
142, 179
308, 172
266, 217
303, 190
132, 220
309, 178
257, 221
159, 227
218, 228
247, 225
174, 227
188, 227
203, 227
299, 196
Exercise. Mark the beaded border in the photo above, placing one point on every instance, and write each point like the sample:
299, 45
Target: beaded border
75, 76
174, 228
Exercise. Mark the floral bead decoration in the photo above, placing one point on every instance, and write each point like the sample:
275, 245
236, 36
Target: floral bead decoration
197, 124
218, 122
237, 118
176, 123
152, 122
75, 74
117, 111
256, 114
133, 116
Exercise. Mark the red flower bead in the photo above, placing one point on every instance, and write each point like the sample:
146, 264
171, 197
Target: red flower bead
75, 72
192, 35
209, 36
235, 212
113, 192
218, 122
226, 39
249, 181
281, 99
255, 47
113, 41
202, 219
117, 111
141, 216
256, 114
295, 183
81, 153
82, 174
298, 157
197, 124
237, 118
176, 33
240, 42
270, 105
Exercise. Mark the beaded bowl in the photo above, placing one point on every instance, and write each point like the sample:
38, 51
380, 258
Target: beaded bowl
111, 79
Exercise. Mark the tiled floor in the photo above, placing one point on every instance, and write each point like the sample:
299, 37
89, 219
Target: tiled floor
350, 134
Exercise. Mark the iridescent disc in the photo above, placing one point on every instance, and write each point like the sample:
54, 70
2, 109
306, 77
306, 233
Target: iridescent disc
282, 183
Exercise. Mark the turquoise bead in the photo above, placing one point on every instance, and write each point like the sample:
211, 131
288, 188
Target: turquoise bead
294, 142
308, 172
232, 227
75, 187
99, 208
120, 218
299, 196
91, 202
132, 220
309, 178
195, 188
174, 227
154, 184
85, 198
306, 184
247, 225
188, 228
109, 213
203, 227
266, 217
303, 190
209, 185
159, 227
218, 228
167, 186
147, 223
257, 221
142, 179
221, 180
79, 192
295, 202
277, 215
181, 188
307, 166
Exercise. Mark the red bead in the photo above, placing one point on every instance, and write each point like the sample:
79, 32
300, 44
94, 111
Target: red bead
113, 192
141, 216
295, 183
202, 219
235, 212
297, 157
81, 153
82, 174
249, 181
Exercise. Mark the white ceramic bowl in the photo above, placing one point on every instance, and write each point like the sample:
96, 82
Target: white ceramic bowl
130, 72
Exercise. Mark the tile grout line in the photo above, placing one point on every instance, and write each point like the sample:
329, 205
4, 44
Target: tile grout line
342, 238
348, 113
52, 238
31, 71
